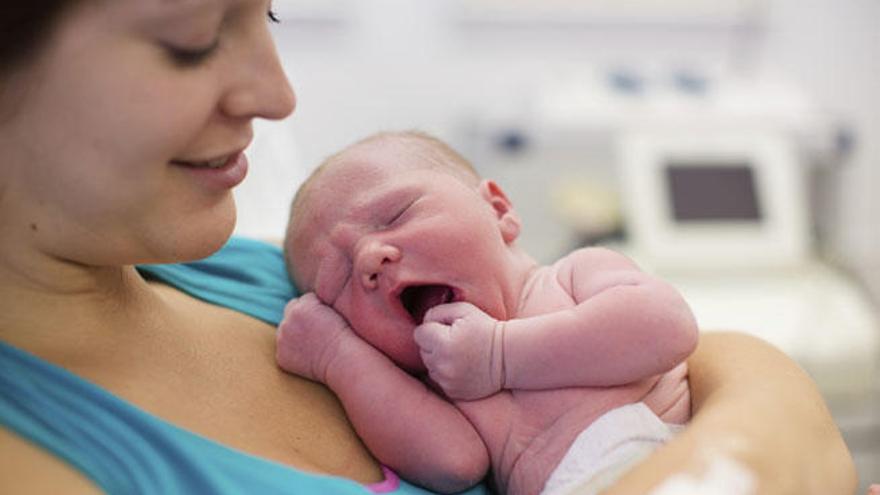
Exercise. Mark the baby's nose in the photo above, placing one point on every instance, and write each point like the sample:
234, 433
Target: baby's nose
373, 260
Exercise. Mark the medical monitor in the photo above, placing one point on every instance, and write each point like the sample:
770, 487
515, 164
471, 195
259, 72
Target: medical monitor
710, 199
716, 192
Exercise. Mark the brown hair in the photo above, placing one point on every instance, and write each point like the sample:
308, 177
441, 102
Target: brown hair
25, 25
25, 29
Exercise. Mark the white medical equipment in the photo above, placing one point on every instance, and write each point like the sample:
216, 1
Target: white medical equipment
714, 189
722, 213
707, 199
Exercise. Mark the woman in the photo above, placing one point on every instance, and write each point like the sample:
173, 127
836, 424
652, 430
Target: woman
122, 125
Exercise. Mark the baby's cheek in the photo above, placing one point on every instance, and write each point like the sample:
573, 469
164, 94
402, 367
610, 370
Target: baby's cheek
412, 360
400, 347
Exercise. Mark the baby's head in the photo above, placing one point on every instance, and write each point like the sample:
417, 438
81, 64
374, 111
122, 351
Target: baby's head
415, 149
393, 225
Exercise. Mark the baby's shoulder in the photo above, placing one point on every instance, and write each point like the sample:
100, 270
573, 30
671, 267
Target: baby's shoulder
555, 286
594, 258
545, 290
586, 271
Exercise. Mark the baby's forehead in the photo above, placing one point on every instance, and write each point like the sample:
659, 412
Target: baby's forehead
343, 186
338, 193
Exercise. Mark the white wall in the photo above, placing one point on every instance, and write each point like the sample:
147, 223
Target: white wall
832, 48
359, 67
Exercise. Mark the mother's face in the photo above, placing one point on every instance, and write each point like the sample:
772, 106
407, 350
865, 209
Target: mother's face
126, 141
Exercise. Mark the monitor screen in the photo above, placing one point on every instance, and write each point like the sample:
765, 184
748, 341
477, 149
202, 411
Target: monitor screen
711, 192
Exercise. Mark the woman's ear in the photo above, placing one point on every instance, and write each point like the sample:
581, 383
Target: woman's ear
508, 221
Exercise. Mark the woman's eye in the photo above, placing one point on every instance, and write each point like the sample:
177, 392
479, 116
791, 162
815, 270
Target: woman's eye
191, 57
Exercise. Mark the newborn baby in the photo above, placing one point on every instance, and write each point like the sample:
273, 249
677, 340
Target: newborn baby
453, 351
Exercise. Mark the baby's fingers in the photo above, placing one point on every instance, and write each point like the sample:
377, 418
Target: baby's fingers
296, 304
431, 335
304, 303
448, 313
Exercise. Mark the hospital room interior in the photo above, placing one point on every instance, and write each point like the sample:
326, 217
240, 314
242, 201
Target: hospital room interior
731, 147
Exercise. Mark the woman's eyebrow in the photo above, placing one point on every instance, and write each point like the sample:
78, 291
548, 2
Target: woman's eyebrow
169, 8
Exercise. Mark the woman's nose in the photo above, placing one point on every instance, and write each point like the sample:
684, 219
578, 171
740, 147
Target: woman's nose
372, 259
259, 86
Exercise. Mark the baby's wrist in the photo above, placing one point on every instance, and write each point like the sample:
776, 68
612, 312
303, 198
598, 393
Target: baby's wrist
341, 365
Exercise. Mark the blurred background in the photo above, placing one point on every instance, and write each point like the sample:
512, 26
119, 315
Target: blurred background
730, 146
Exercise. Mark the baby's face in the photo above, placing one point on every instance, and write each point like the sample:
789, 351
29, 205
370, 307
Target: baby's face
382, 240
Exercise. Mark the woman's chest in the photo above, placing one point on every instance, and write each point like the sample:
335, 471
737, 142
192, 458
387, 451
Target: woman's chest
213, 373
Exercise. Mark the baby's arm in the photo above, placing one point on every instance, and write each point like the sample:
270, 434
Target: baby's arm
406, 426
625, 326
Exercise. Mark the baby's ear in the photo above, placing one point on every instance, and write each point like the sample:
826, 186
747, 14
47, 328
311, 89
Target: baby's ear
508, 221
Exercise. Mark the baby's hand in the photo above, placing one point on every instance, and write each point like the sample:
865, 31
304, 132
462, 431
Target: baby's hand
462, 348
311, 337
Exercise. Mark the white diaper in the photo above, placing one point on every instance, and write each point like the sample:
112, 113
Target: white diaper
607, 448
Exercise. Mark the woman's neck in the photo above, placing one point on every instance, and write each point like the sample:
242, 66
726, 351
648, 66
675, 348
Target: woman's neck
47, 303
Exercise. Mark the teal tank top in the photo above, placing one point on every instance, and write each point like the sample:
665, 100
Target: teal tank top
126, 450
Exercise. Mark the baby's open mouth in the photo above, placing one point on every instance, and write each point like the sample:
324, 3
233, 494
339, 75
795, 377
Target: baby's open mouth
418, 299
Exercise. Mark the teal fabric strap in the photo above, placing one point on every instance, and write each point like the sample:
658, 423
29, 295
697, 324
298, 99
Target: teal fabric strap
246, 275
127, 451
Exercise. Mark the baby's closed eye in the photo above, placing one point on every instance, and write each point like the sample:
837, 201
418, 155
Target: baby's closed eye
401, 213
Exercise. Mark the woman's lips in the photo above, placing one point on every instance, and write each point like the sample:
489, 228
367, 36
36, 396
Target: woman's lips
220, 173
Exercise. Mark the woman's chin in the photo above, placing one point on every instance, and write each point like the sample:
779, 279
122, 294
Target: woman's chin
212, 239
196, 238
206, 247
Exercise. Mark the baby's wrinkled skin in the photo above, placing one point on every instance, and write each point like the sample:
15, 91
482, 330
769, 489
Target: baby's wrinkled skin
410, 269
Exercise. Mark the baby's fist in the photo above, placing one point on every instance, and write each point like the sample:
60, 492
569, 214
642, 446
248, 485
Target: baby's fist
462, 348
310, 337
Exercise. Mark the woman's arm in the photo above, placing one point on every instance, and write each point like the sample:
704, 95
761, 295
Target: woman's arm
753, 406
